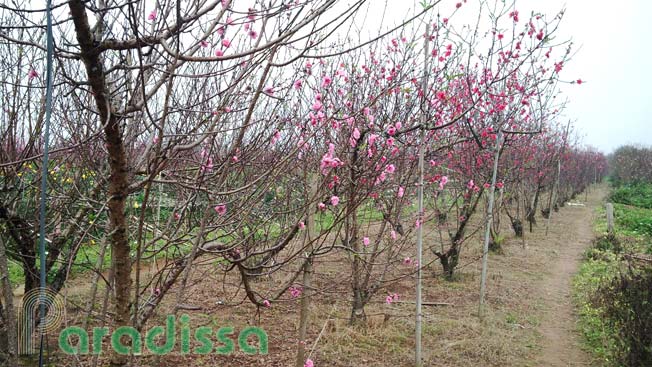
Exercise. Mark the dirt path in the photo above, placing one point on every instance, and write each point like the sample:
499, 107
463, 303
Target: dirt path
572, 234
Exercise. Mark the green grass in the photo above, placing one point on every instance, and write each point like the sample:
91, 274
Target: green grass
599, 338
633, 225
632, 220
639, 195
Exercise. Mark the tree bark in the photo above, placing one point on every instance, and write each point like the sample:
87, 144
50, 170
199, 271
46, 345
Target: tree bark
9, 316
304, 314
118, 179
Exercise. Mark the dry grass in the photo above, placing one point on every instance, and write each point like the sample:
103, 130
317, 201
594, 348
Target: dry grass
452, 335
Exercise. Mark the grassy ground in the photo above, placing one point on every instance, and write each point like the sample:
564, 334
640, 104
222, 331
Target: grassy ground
453, 335
603, 262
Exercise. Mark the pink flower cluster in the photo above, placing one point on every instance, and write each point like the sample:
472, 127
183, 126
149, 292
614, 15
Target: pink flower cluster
329, 160
391, 298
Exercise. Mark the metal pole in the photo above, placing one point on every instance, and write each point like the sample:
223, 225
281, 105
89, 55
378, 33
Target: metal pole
44, 175
487, 233
418, 358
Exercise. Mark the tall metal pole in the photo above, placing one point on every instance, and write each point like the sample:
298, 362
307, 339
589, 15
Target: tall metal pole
487, 232
44, 174
424, 85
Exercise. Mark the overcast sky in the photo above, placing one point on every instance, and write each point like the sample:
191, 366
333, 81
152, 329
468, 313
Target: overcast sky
614, 59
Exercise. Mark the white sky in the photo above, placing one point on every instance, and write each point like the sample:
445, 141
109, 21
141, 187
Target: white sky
613, 106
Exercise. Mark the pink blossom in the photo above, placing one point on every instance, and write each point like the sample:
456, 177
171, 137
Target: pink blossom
389, 300
177, 216
32, 74
559, 66
235, 159
317, 106
266, 303
407, 261
221, 30
226, 42
401, 191
302, 225
326, 81
392, 234
500, 185
442, 182
219, 53
295, 291
269, 90
335, 200
356, 134
470, 184
458, 5
297, 84
152, 15
579, 81
321, 206
276, 137
220, 209
514, 15
417, 223
487, 185
253, 34
309, 363
203, 44
372, 139
365, 241
391, 130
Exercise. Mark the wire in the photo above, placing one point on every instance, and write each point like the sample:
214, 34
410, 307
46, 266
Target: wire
44, 174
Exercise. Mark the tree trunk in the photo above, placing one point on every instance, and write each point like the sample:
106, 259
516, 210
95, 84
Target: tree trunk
358, 316
531, 215
304, 314
118, 179
9, 317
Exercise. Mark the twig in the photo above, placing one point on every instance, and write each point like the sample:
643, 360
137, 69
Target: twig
427, 303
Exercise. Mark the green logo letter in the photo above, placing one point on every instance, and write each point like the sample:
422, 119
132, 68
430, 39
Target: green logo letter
64, 342
202, 336
169, 338
98, 333
222, 336
120, 348
262, 340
